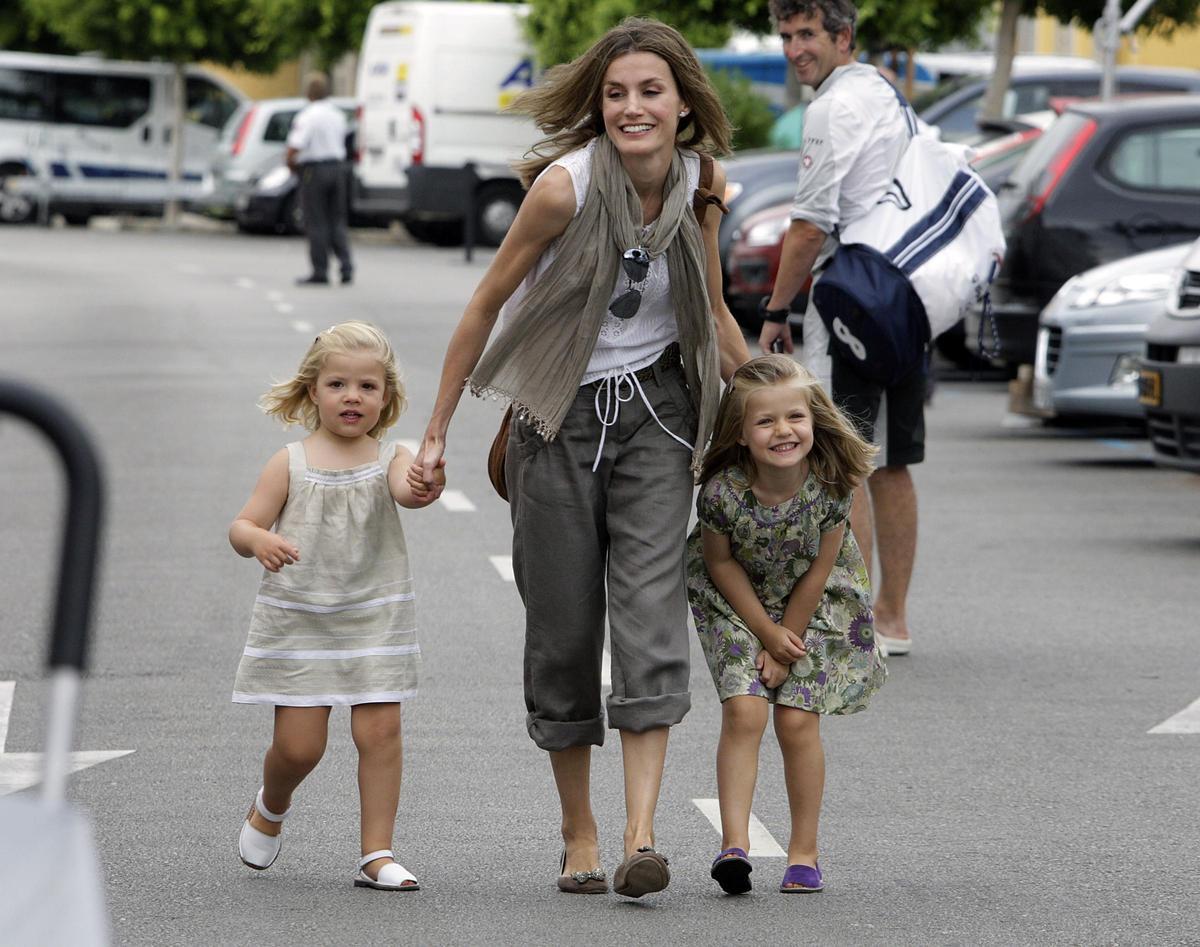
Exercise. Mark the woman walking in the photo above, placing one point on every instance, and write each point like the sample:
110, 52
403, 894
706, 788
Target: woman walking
613, 340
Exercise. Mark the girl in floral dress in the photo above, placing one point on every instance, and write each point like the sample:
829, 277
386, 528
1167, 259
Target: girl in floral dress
780, 596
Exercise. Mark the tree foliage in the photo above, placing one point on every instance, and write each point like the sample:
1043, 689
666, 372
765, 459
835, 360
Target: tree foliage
1164, 17
22, 30
917, 24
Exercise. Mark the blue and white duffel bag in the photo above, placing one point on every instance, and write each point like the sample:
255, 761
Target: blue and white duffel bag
908, 269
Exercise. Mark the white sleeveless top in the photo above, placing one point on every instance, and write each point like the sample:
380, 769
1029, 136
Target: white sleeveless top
623, 344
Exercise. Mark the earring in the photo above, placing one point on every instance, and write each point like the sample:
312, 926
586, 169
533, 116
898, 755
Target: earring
683, 113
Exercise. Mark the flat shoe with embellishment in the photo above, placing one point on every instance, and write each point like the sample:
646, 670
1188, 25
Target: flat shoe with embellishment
731, 870
643, 872
581, 882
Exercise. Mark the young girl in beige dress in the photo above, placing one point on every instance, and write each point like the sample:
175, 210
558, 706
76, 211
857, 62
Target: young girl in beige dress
333, 621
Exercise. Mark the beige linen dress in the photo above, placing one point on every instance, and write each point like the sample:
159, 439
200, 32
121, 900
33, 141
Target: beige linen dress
337, 627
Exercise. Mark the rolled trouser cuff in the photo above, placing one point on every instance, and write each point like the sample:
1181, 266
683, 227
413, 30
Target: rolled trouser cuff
564, 734
638, 714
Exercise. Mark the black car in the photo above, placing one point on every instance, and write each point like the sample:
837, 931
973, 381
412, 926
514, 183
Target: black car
1169, 373
1105, 181
954, 107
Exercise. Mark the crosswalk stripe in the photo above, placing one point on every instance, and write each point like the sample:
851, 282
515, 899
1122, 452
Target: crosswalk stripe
456, 501
409, 444
503, 565
6, 701
762, 844
302, 327
244, 282
606, 670
1186, 721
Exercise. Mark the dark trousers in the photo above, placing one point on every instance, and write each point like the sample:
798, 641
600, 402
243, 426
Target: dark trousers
324, 195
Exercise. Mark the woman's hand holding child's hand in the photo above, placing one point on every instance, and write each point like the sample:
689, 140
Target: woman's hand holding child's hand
770, 671
274, 552
426, 489
785, 646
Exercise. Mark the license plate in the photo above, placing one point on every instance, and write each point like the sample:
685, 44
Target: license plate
1150, 387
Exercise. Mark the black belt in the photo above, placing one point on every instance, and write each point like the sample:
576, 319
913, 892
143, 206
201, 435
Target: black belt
669, 359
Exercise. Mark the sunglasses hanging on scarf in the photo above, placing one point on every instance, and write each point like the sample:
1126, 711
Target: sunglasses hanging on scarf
635, 262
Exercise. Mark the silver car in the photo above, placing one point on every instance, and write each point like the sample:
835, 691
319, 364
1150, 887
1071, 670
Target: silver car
1092, 333
252, 143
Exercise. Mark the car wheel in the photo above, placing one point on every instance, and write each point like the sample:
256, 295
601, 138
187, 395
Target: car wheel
14, 208
291, 217
77, 220
495, 209
441, 233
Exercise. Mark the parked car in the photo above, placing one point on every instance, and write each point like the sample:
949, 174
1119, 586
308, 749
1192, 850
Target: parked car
252, 143
954, 107
1169, 373
86, 135
272, 204
1093, 333
1106, 180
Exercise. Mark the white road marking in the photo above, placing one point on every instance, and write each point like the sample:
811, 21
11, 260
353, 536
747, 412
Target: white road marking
503, 565
410, 445
1186, 721
284, 308
21, 770
275, 296
762, 845
302, 327
456, 502
6, 698
606, 670
244, 282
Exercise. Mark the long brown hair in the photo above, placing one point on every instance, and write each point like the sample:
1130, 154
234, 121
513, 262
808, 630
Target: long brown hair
567, 104
840, 458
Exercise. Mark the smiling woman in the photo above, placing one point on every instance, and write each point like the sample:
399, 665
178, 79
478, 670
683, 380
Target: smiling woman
613, 338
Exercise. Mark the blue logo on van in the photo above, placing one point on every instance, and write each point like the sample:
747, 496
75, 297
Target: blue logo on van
522, 75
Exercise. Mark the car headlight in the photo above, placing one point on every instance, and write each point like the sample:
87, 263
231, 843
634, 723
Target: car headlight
1133, 287
1125, 371
733, 190
767, 233
275, 178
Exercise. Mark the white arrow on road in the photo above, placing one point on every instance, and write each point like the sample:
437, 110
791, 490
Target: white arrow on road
21, 770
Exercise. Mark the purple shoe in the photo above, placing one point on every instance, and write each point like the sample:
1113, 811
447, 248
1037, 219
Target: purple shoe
731, 870
801, 879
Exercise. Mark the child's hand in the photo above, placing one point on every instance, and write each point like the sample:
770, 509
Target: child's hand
274, 552
770, 671
785, 646
425, 493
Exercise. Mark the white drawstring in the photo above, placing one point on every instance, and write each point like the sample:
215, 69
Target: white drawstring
614, 395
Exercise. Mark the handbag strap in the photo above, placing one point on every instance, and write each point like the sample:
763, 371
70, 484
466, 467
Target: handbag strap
704, 194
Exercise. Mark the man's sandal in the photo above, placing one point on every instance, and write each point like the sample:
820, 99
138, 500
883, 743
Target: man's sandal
258, 850
731, 870
392, 877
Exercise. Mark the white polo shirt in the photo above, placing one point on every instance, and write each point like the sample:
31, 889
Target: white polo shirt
318, 133
854, 133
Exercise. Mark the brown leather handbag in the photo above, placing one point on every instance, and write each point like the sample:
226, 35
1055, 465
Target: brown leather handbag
495, 461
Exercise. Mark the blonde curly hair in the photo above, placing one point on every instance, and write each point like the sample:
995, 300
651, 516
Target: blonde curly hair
290, 401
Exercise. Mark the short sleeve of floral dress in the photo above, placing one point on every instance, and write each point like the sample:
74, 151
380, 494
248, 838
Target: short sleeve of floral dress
776, 545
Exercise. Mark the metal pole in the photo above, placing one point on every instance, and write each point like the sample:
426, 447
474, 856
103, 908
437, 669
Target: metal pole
1108, 38
1131, 19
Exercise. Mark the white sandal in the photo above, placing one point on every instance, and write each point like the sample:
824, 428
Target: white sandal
392, 876
257, 849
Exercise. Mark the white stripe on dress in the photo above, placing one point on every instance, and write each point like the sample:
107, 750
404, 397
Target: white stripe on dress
320, 655
325, 700
338, 478
329, 609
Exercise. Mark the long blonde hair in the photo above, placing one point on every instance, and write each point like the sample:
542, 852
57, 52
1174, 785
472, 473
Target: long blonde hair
289, 401
840, 458
567, 104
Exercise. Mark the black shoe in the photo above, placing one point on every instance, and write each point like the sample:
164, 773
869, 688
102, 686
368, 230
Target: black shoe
347, 277
312, 281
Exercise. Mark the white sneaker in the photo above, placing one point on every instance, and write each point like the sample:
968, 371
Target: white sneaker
889, 647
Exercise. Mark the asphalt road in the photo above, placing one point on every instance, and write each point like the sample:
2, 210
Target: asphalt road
1003, 789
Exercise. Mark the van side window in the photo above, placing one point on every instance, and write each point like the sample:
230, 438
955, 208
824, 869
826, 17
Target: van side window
92, 99
24, 95
208, 104
1158, 159
279, 125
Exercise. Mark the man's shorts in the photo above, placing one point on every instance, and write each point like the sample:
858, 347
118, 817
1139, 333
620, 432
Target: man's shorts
899, 417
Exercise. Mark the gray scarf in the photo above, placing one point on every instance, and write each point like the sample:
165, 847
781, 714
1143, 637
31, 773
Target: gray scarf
537, 361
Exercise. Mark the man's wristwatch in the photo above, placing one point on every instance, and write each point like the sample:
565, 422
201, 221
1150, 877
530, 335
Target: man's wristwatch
778, 316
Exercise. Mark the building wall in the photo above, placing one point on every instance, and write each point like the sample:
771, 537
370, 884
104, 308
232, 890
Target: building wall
288, 79
1181, 49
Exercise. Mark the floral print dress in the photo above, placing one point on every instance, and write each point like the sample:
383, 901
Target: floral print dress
775, 545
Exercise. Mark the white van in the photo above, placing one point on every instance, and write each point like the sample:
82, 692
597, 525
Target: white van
93, 136
433, 78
